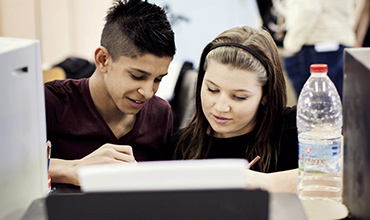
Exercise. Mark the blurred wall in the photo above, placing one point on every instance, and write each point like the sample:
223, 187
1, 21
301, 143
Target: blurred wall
73, 27
197, 22
64, 28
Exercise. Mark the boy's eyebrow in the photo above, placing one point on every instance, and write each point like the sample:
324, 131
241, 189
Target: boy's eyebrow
236, 90
147, 73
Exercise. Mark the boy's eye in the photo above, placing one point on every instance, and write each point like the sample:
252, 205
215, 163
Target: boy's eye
157, 80
136, 77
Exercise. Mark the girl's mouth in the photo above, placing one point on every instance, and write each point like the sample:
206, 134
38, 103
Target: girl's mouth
220, 120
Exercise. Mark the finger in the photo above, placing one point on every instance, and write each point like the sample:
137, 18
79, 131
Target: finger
127, 149
121, 156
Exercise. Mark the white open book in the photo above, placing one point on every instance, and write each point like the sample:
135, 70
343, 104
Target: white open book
165, 175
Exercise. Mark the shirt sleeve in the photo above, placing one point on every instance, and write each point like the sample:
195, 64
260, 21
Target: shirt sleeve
53, 107
301, 17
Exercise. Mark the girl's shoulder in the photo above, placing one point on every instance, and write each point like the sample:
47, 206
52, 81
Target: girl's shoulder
289, 115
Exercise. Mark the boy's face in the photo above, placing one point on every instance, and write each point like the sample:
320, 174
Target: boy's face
132, 82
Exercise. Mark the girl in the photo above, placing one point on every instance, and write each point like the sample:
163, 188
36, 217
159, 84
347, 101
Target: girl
240, 108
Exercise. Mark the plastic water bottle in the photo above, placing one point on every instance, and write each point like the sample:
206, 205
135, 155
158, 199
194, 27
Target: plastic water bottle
319, 122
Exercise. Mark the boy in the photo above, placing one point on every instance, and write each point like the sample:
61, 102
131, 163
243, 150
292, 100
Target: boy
114, 116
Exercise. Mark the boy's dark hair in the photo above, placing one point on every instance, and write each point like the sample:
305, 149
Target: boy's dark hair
135, 27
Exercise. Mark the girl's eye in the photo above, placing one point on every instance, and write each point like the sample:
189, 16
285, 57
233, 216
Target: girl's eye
240, 97
212, 90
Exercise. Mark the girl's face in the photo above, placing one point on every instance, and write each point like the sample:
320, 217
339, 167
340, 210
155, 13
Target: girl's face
230, 99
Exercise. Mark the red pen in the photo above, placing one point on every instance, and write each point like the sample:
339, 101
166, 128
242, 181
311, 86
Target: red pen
254, 161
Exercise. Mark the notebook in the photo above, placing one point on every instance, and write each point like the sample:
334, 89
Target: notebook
165, 175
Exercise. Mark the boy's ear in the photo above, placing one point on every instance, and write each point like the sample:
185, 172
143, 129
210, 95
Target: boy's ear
101, 59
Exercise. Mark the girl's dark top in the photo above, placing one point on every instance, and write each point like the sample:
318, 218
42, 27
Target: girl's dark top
285, 135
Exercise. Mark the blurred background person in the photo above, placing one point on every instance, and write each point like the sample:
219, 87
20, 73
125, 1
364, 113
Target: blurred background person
272, 18
362, 23
317, 32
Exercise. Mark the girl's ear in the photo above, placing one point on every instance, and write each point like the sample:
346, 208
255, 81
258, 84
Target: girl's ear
263, 100
101, 59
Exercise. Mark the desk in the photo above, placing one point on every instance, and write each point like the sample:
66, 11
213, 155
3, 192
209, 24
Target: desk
282, 206
321, 209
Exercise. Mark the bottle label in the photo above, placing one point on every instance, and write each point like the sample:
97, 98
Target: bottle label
320, 156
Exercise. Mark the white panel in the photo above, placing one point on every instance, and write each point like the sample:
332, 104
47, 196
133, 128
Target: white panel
23, 155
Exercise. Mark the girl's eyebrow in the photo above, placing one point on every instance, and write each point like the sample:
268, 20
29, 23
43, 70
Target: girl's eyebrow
235, 90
